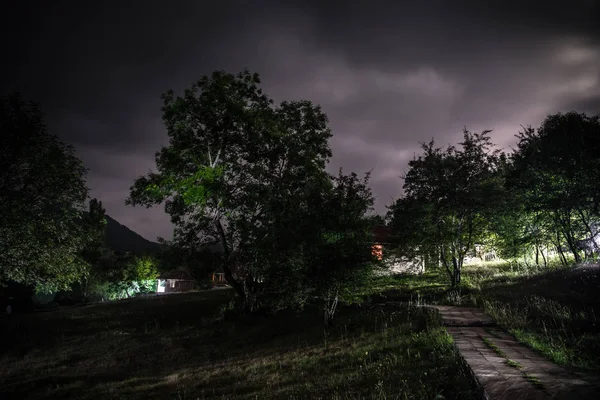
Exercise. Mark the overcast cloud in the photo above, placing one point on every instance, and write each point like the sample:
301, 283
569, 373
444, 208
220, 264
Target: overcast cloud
388, 75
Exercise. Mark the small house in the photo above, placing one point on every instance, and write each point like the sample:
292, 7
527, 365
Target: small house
381, 238
381, 235
218, 278
176, 282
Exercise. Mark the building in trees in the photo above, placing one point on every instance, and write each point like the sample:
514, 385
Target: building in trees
382, 240
218, 278
176, 282
381, 234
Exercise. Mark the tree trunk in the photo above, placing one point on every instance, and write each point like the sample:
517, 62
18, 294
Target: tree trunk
544, 258
456, 271
589, 229
250, 288
329, 309
568, 234
563, 259
572, 247
237, 286
445, 263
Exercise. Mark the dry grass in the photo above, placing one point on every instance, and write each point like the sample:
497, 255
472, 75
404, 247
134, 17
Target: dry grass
190, 347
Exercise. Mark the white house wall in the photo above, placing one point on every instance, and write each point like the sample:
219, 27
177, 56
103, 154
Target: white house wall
403, 265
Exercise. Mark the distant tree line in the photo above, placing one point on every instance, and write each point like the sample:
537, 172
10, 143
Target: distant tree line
539, 200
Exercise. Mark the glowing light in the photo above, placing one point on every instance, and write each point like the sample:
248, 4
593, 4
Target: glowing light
378, 251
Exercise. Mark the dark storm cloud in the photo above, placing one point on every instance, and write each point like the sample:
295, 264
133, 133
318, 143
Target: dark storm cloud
104, 64
388, 74
590, 105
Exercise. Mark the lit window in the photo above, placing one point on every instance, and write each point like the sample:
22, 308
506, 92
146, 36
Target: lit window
378, 251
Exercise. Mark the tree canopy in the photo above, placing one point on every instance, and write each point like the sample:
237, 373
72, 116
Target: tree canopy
251, 174
42, 200
449, 196
539, 201
556, 169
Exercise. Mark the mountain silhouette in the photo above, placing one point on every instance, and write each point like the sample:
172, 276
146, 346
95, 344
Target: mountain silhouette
120, 238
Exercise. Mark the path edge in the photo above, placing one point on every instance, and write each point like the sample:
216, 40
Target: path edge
482, 392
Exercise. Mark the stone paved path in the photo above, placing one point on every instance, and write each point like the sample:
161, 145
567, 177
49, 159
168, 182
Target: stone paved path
507, 369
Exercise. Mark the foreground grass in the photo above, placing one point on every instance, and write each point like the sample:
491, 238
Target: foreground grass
553, 310
555, 313
186, 347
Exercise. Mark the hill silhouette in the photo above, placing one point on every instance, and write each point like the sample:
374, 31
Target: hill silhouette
120, 238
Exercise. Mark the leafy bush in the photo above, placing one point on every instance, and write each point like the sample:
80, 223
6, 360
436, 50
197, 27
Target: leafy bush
118, 277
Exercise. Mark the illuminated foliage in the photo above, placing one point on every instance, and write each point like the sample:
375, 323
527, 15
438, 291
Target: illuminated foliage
449, 196
542, 199
117, 276
556, 170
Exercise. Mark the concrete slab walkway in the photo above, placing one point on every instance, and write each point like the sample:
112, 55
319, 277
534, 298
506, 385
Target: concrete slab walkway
507, 369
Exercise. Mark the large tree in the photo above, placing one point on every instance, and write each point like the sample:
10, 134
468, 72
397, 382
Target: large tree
556, 168
450, 195
42, 199
248, 173
343, 260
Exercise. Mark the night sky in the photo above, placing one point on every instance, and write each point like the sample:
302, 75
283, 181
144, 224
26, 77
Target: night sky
387, 75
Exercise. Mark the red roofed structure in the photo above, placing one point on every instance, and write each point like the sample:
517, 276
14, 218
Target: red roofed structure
381, 235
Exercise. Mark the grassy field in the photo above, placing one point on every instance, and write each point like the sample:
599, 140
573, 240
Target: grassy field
555, 313
190, 346
553, 310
